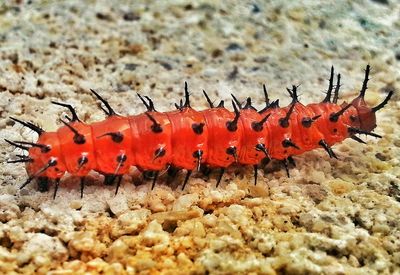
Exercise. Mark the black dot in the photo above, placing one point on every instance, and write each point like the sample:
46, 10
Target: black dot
231, 150
231, 126
283, 122
285, 143
156, 128
79, 139
121, 158
160, 152
306, 122
353, 118
82, 160
333, 117
256, 126
334, 130
45, 149
198, 153
117, 137
198, 128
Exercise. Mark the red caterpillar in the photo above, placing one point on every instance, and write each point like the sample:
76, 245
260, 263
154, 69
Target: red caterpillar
186, 138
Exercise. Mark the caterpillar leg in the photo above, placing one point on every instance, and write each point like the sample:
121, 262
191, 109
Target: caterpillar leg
255, 173
327, 148
356, 138
291, 161
56, 188
220, 175
155, 177
51, 163
119, 179
189, 172
286, 166
82, 183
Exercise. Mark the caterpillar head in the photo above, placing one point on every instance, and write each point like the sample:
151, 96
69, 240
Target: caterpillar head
365, 114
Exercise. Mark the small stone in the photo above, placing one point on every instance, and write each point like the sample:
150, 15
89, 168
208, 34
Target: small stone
75, 204
185, 202
234, 47
131, 16
154, 234
131, 66
103, 16
183, 259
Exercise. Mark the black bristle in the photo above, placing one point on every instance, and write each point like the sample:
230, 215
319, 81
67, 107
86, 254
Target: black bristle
327, 99
70, 108
109, 111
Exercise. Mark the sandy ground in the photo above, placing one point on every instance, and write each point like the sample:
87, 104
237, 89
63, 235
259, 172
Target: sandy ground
331, 216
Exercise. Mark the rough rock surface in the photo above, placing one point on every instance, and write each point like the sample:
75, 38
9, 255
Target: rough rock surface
331, 216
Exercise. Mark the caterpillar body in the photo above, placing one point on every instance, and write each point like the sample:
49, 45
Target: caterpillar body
186, 138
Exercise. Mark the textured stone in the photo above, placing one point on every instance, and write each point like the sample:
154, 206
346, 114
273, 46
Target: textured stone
331, 216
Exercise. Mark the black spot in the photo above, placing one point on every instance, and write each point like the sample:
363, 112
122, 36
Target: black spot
198, 128
52, 162
131, 66
79, 139
255, 8
334, 130
197, 154
160, 152
103, 16
166, 65
45, 149
122, 158
333, 117
117, 137
156, 128
231, 126
231, 150
234, 47
306, 122
353, 118
256, 126
82, 160
289, 143
283, 122
131, 16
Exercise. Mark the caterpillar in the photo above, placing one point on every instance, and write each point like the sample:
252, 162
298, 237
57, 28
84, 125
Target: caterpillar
187, 139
